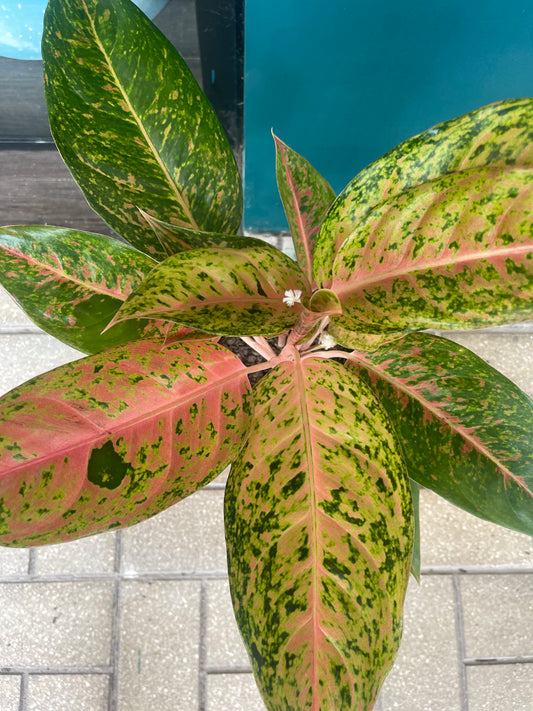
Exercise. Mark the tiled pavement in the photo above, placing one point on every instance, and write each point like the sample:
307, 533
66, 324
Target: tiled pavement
140, 620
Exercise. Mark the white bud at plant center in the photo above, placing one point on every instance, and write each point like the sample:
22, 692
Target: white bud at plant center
292, 296
327, 341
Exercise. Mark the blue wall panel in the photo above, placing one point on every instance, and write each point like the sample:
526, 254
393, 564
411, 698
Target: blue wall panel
343, 82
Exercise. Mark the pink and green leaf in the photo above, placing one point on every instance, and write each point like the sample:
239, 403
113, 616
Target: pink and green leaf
74, 298
465, 429
233, 292
306, 197
115, 438
453, 253
494, 136
132, 124
319, 532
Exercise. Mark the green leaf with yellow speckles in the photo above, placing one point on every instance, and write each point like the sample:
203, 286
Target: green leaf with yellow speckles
466, 430
453, 253
358, 340
174, 238
74, 299
499, 136
114, 438
319, 529
306, 197
132, 124
233, 292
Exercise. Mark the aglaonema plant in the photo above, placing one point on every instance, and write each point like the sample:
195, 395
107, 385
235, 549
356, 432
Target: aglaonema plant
357, 405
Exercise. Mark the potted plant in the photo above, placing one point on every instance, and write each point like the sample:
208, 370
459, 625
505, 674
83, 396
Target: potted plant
357, 406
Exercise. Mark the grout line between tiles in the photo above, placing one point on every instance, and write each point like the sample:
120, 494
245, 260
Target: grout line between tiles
476, 570
220, 669
113, 698
494, 661
460, 637
50, 671
202, 648
152, 576
23, 701
32, 558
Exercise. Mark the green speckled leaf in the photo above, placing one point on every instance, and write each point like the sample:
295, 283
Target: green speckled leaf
174, 238
233, 292
318, 519
498, 135
466, 430
133, 125
360, 341
453, 253
74, 298
306, 197
115, 438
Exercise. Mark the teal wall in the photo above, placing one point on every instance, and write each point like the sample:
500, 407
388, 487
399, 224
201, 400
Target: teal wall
343, 82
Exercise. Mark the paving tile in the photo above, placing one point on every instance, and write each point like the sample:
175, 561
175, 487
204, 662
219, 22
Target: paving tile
187, 537
65, 693
48, 624
451, 536
224, 644
159, 646
22, 357
10, 312
10, 693
233, 692
94, 554
13, 561
426, 672
497, 615
510, 353
508, 687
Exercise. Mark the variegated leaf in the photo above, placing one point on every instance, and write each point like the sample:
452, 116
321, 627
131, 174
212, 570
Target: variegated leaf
360, 341
453, 253
115, 438
466, 430
234, 292
71, 283
499, 135
174, 238
318, 519
306, 197
132, 123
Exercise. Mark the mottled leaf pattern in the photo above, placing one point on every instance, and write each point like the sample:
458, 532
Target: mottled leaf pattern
360, 341
74, 299
321, 506
225, 291
454, 253
132, 124
498, 135
466, 430
176, 239
112, 439
306, 197
319, 534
